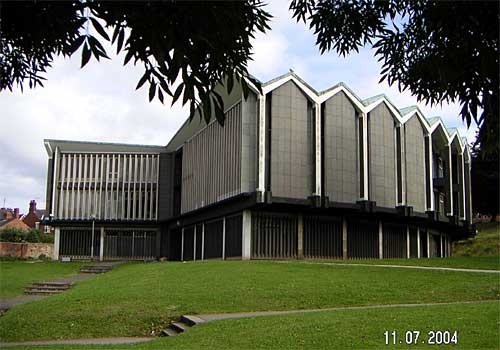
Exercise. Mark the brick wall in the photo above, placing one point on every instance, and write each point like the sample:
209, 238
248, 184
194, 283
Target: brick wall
26, 250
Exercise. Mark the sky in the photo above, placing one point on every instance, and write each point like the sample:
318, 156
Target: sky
100, 103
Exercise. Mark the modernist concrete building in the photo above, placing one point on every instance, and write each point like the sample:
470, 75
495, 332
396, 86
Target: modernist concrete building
293, 173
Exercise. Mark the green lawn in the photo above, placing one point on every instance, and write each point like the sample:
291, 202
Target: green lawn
16, 275
476, 262
476, 326
485, 243
135, 298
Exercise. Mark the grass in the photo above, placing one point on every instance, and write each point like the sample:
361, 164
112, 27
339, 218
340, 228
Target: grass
485, 243
476, 324
478, 262
16, 275
134, 299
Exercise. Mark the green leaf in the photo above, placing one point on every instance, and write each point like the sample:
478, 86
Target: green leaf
97, 47
121, 37
152, 90
143, 79
128, 56
85, 54
230, 83
99, 28
160, 95
177, 93
76, 44
207, 107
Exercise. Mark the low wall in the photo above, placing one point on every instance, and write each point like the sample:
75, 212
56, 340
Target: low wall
26, 250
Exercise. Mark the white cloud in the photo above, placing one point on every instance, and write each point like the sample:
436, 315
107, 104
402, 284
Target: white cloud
97, 103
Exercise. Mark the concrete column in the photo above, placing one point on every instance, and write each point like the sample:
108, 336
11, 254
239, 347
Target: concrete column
344, 238
428, 248
223, 238
202, 241
431, 174
365, 156
418, 243
101, 245
468, 194
300, 237
441, 245
57, 242
449, 184
54, 205
182, 244
407, 241
380, 241
194, 243
246, 232
317, 144
461, 184
262, 143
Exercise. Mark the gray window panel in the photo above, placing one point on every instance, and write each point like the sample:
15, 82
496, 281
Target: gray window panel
292, 161
415, 164
382, 163
101, 184
211, 163
341, 154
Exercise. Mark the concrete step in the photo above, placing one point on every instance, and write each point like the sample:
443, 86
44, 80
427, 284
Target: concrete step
179, 327
44, 287
42, 291
95, 268
191, 320
168, 332
47, 285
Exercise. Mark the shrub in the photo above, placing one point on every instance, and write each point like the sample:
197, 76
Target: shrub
46, 238
33, 236
13, 235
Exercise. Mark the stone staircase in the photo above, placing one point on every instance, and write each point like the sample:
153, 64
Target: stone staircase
47, 288
181, 326
95, 268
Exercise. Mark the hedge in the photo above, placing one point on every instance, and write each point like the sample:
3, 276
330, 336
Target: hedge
32, 236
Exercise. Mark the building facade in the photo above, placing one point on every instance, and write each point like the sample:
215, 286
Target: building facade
293, 173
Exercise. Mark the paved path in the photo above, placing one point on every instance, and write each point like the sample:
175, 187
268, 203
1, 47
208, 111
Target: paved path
6, 304
94, 341
215, 317
435, 268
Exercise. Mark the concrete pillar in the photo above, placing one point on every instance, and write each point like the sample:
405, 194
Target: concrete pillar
344, 238
418, 243
246, 232
223, 238
101, 245
202, 241
365, 156
182, 244
448, 184
317, 144
262, 143
380, 241
428, 248
300, 237
441, 246
407, 241
57, 242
